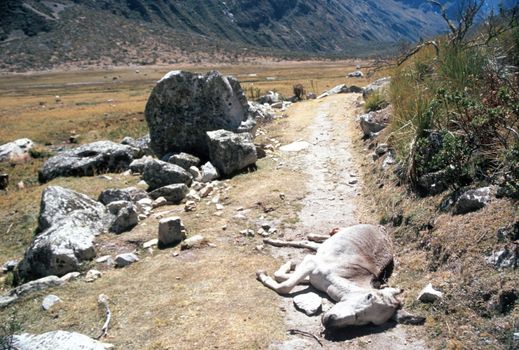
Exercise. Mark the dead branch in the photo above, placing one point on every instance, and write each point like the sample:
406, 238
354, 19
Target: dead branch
292, 244
102, 300
417, 48
443, 13
306, 334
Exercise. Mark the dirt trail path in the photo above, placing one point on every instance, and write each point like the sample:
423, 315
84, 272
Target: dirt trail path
332, 189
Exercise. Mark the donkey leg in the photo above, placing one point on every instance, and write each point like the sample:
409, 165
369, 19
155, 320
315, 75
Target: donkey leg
303, 270
284, 274
293, 244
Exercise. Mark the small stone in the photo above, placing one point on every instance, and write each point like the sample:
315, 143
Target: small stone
309, 303
142, 217
429, 294
209, 172
70, 276
49, 301
9, 266
196, 241
224, 227
104, 259
171, 231
353, 181
206, 191
220, 206
190, 206
272, 231
160, 202
260, 247
197, 175
125, 259
215, 199
92, 275
247, 233
150, 243
143, 184
282, 196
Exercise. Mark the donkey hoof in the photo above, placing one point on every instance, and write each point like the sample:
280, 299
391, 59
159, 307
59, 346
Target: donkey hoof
260, 274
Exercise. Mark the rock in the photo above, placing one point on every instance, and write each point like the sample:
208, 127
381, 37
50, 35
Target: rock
125, 216
433, 183
160, 202
184, 160
88, 160
247, 233
505, 257
158, 174
356, 74
190, 206
429, 294
71, 276
57, 340
4, 181
374, 122
125, 259
49, 301
382, 149
209, 172
197, 175
196, 241
472, 200
150, 243
354, 89
9, 266
297, 146
172, 193
138, 165
7, 300
171, 231
377, 86
104, 259
142, 144
509, 233
309, 303
68, 224
503, 302
129, 194
16, 151
230, 152
92, 275
388, 160
311, 96
144, 206
183, 106
336, 90
403, 317
262, 113
270, 98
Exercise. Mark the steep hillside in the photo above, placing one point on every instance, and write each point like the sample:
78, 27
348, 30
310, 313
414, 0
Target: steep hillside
44, 34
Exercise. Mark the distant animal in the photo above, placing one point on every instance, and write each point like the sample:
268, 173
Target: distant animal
350, 267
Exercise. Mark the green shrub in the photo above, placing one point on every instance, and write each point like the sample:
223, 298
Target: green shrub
375, 102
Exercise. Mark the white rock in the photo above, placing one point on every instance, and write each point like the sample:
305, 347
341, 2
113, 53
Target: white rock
247, 233
71, 276
49, 301
58, 340
92, 275
209, 172
125, 259
150, 243
309, 303
190, 206
104, 259
220, 206
429, 294
197, 175
206, 191
215, 199
160, 202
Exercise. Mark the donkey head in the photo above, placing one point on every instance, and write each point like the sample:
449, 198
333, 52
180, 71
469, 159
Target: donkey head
363, 307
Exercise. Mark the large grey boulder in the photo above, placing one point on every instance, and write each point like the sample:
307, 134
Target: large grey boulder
68, 224
88, 160
183, 106
172, 193
184, 160
379, 86
57, 340
158, 174
138, 165
16, 151
230, 152
30, 287
130, 194
472, 200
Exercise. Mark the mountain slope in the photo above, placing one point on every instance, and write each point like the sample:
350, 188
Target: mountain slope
43, 34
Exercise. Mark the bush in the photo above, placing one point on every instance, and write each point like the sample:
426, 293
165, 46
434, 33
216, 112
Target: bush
8, 328
375, 102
